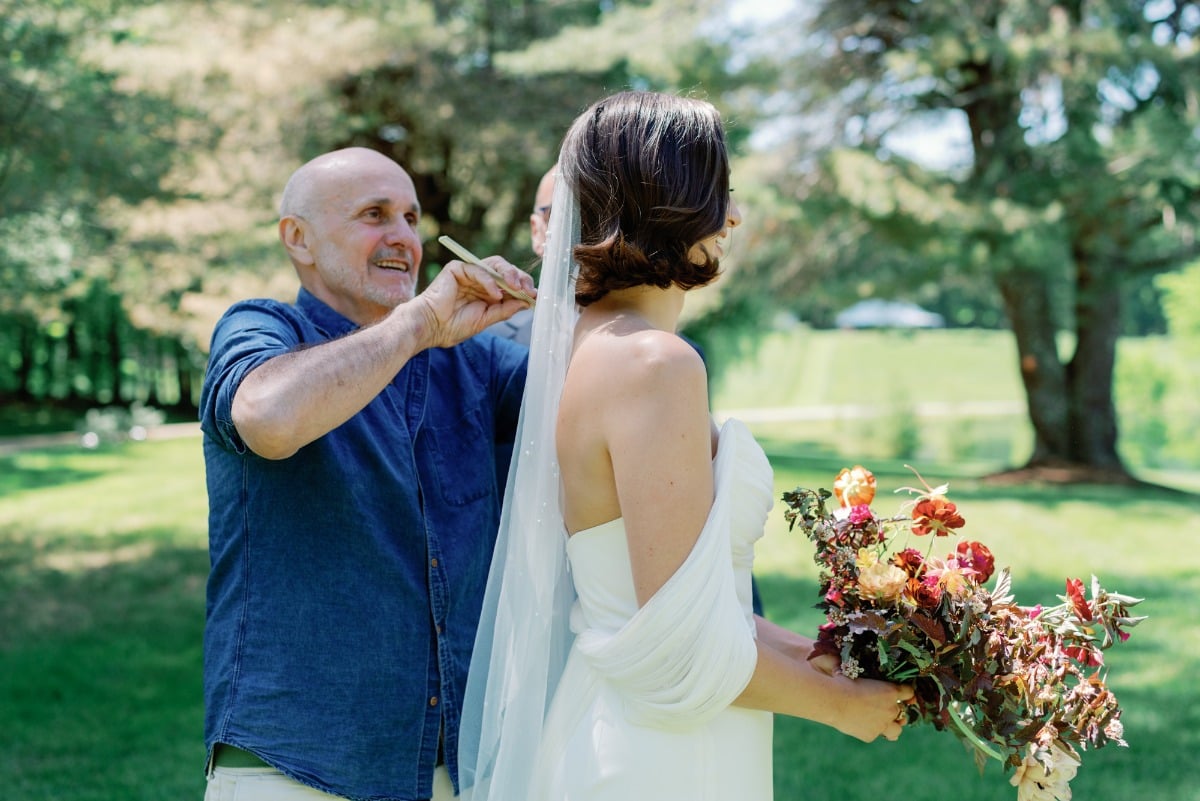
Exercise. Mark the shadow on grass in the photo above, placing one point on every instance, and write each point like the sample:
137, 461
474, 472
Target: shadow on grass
100, 671
18, 474
969, 480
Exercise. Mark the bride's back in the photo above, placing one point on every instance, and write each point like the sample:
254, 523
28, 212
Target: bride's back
634, 435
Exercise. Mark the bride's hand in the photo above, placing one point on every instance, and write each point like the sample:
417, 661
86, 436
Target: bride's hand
826, 663
873, 708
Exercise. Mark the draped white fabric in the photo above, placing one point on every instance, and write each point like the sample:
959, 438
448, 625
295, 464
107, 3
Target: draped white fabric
643, 709
689, 651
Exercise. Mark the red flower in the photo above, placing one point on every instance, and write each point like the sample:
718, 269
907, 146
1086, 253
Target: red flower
1088, 657
976, 556
1078, 601
934, 514
926, 595
910, 561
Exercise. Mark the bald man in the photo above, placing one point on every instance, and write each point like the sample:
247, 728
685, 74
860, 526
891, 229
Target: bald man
348, 443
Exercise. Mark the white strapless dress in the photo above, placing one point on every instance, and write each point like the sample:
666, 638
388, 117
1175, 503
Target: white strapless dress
643, 710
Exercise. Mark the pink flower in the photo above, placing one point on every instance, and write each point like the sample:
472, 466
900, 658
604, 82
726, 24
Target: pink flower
949, 575
861, 514
978, 557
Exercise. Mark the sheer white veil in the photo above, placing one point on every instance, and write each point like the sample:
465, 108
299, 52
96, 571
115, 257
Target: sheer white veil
524, 631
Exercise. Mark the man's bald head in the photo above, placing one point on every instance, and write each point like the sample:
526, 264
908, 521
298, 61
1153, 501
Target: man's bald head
305, 190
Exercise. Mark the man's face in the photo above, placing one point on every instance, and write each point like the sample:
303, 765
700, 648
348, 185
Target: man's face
540, 219
365, 243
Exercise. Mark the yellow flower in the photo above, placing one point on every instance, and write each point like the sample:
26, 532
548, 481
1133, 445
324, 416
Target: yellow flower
881, 581
1047, 779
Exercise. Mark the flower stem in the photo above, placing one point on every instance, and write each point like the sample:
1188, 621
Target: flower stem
970, 734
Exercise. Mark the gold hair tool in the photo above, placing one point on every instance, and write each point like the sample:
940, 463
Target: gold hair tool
470, 257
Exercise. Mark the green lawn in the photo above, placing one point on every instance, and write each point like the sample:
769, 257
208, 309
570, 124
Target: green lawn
102, 568
950, 395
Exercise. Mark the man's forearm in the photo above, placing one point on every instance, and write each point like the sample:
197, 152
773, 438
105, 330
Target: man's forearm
297, 397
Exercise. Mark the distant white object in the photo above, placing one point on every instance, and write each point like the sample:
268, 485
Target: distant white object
879, 313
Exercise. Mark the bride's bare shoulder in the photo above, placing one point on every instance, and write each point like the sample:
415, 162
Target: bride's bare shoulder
640, 356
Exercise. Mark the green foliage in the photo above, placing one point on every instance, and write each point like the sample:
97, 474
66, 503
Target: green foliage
1182, 304
1076, 179
433, 104
71, 139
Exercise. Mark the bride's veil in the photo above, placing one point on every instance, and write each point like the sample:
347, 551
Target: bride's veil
524, 632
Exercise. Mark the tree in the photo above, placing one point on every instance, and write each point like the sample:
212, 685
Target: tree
70, 140
476, 108
1081, 174
75, 147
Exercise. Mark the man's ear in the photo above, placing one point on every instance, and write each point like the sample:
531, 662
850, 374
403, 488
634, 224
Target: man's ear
537, 233
293, 233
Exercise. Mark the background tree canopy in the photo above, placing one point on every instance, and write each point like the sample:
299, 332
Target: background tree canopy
1067, 176
1006, 164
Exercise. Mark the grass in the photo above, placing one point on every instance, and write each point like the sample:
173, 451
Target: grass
901, 373
102, 569
103, 561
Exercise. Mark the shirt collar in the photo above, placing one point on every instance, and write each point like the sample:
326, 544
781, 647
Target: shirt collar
330, 322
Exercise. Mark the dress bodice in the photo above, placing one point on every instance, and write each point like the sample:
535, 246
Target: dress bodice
599, 556
645, 707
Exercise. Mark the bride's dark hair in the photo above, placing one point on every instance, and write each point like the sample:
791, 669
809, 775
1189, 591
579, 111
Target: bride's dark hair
652, 176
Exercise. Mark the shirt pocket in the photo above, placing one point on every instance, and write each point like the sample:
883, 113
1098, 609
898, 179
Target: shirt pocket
464, 459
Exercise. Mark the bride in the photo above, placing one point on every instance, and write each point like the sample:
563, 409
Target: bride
618, 657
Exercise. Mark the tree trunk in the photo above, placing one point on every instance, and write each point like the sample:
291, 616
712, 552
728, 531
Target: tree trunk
1093, 414
1070, 406
1027, 302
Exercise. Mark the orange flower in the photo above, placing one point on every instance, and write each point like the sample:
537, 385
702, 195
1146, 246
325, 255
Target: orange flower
854, 486
933, 514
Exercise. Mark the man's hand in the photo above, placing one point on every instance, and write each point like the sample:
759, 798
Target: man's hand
463, 300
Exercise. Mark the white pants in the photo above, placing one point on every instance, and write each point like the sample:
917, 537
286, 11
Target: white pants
268, 784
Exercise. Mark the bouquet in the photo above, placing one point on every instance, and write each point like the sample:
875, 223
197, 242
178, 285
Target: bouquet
1021, 685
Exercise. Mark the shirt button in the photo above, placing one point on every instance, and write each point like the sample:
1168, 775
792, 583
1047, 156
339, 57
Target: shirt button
433, 701
433, 562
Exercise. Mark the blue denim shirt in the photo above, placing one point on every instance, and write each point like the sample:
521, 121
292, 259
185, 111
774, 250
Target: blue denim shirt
346, 580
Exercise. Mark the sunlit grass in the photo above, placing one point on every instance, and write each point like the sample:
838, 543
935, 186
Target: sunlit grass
103, 562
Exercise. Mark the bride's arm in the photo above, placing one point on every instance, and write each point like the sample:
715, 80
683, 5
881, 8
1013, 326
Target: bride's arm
786, 682
658, 435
